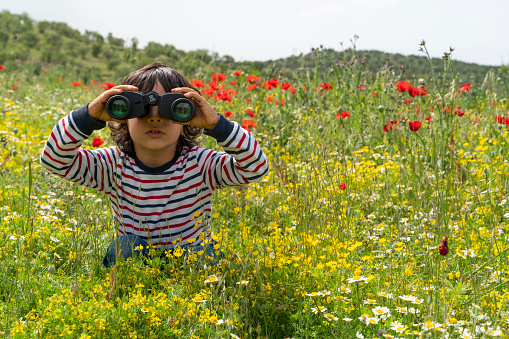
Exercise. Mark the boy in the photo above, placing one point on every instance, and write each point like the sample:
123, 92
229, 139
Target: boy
158, 180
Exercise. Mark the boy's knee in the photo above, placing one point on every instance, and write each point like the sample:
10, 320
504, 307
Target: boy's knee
125, 246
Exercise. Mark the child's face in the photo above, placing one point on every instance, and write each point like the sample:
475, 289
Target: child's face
152, 134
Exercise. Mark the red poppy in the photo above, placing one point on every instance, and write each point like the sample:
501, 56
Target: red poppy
265, 85
107, 85
213, 85
428, 119
325, 86
15, 88
94, 81
58, 79
286, 85
230, 91
343, 115
422, 91
388, 126
402, 86
208, 92
97, 142
292, 90
413, 91
45, 70
273, 83
342, 187
233, 82
280, 102
228, 114
247, 124
237, 73
252, 79
223, 96
247, 99
443, 248
502, 120
374, 93
197, 83
361, 87
459, 112
2, 68
466, 87
251, 113
77, 83
226, 97
218, 76
251, 87
414, 125
270, 99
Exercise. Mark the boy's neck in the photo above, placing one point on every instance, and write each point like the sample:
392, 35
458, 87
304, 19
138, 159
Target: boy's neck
155, 159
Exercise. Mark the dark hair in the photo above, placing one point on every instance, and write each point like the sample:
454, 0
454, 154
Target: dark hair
145, 79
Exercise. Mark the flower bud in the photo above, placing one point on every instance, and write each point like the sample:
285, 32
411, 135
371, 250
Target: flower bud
443, 247
52, 269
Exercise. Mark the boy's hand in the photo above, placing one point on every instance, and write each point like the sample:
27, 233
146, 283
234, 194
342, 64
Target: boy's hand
206, 117
97, 108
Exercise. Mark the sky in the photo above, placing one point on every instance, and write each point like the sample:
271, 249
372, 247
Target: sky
267, 30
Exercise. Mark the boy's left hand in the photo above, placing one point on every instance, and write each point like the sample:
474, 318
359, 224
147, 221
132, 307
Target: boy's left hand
205, 117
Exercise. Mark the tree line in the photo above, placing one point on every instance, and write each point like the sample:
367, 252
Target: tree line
42, 44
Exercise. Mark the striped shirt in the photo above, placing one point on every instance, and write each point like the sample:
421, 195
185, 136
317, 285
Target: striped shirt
167, 205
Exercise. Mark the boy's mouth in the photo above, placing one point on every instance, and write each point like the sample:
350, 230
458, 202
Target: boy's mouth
154, 133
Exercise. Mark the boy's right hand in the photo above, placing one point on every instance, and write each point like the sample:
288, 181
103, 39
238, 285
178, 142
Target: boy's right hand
97, 108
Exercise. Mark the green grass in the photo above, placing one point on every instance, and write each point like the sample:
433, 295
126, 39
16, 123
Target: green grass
340, 239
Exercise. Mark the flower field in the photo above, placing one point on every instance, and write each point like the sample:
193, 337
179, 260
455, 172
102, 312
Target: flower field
385, 215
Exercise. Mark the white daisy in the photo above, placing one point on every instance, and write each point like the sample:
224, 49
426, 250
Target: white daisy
318, 309
211, 279
330, 317
357, 279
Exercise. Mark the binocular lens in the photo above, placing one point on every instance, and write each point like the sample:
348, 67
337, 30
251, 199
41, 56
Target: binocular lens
118, 107
183, 110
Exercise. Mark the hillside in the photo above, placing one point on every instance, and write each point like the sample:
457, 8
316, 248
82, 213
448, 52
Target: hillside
410, 66
23, 41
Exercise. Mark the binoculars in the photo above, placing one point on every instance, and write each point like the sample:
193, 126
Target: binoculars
134, 104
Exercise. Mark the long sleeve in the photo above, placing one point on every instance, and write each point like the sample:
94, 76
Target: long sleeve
242, 162
64, 156
156, 204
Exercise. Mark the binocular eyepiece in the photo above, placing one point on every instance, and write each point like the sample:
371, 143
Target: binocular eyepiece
134, 104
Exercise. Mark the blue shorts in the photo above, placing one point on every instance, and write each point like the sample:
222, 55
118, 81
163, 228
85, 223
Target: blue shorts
127, 246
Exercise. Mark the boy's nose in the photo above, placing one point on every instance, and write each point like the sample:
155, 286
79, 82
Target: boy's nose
153, 115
